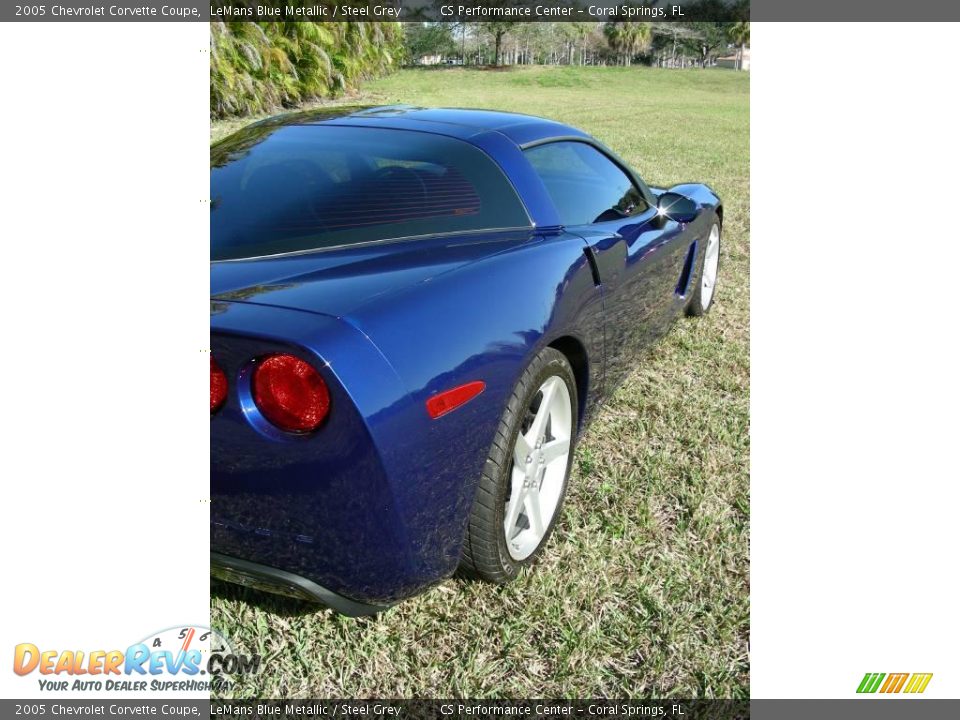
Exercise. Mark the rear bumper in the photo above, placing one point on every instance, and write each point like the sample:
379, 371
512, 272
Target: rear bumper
281, 582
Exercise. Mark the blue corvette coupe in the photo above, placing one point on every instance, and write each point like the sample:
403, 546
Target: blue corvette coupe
413, 314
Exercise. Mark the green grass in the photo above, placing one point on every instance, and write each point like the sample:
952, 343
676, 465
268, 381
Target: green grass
644, 588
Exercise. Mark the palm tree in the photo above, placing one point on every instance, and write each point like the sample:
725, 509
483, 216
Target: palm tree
739, 33
261, 66
628, 38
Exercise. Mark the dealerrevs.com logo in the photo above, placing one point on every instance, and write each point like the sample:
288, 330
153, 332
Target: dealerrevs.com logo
189, 658
910, 683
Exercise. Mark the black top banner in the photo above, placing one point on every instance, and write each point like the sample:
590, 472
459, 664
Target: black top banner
478, 10
481, 10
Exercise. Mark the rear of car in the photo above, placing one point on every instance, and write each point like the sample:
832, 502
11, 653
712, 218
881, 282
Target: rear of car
325, 475
302, 502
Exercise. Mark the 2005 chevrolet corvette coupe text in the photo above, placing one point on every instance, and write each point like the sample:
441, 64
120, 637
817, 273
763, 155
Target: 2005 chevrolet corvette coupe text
414, 312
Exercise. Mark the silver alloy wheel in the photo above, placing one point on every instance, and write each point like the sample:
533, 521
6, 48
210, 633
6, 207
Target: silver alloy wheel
540, 458
711, 265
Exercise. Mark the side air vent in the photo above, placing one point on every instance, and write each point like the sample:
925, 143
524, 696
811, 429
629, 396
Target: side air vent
592, 259
683, 285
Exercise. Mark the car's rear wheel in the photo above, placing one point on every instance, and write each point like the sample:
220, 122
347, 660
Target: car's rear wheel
525, 477
706, 286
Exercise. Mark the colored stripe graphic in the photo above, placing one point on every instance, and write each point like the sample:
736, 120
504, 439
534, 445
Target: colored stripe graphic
895, 682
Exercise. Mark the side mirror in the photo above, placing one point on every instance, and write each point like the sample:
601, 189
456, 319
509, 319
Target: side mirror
676, 207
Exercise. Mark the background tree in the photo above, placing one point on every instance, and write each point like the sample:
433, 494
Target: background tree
673, 43
710, 37
428, 39
628, 38
497, 30
739, 34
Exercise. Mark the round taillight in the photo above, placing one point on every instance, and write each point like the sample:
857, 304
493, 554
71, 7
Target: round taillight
218, 386
290, 393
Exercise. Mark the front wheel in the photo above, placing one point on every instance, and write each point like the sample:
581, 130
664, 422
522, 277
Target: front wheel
525, 477
706, 286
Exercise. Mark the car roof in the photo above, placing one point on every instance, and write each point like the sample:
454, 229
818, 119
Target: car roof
455, 122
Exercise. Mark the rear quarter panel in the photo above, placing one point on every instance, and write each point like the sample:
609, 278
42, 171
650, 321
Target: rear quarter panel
483, 322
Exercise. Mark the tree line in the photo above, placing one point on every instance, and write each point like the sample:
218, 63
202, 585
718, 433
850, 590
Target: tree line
667, 44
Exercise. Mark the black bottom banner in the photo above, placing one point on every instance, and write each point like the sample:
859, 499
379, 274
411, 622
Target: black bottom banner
873, 708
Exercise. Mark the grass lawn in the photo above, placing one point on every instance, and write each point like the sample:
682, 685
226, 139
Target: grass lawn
644, 588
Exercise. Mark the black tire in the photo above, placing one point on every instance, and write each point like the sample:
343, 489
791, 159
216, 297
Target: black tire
696, 306
485, 554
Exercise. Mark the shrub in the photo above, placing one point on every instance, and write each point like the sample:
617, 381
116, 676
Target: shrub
258, 67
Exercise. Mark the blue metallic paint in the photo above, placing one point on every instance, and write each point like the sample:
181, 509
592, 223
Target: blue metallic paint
374, 505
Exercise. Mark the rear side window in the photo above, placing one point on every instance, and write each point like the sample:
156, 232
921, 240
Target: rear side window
294, 188
585, 185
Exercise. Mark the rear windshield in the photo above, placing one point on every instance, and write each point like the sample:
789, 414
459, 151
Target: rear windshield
293, 188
